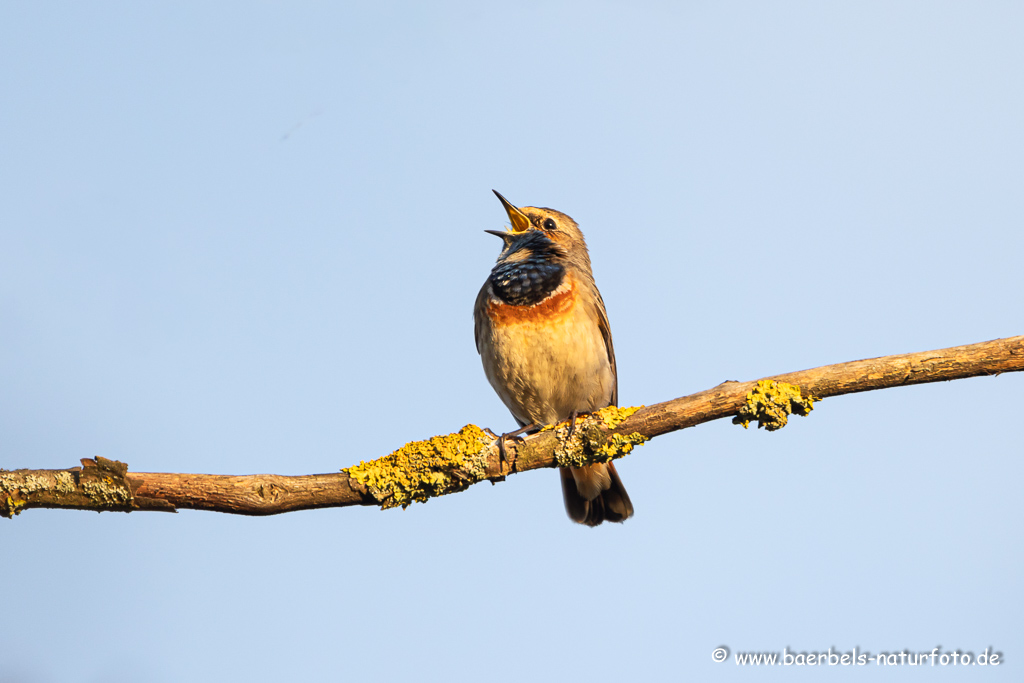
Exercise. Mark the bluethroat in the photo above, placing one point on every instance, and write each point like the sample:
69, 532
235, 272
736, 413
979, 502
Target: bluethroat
542, 333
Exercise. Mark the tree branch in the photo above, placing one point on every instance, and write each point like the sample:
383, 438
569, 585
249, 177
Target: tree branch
424, 469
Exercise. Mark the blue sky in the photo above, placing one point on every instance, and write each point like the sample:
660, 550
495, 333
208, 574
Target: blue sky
247, 237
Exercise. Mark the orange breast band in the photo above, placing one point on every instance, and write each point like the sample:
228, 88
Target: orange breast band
553, 308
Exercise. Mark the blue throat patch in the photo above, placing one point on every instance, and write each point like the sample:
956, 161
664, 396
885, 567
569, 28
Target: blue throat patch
528, 281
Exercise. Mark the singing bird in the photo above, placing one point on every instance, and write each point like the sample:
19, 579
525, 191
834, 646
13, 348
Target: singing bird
543, 336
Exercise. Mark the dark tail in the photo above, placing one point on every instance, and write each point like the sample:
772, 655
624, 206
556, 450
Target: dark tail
608, 500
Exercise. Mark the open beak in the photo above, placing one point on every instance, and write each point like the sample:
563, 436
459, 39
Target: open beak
520, 223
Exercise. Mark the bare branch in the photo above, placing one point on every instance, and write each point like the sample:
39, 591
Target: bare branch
442, 465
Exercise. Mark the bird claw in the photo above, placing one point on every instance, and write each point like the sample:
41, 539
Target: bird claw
517, 435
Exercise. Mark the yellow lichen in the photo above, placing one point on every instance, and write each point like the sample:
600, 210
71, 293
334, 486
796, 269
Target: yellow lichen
589, 442
613, 416
421, 470
570, 451
771, 403
11, 507
619, 445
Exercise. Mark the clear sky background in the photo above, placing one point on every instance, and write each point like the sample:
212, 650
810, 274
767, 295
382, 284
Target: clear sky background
247, 237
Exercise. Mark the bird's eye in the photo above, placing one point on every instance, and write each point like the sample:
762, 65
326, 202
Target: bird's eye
549, 224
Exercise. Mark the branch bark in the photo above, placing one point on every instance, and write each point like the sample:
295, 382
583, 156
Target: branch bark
454, 463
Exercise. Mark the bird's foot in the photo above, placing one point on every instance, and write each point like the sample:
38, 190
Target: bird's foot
572, 422
511, 435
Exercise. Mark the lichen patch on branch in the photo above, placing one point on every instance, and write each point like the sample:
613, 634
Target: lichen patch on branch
100, 484
589, 441
613, 416
771, 403
618, 445
17, 487
14, 489
105, 482
420, 470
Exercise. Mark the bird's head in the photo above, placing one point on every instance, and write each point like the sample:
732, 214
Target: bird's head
539, 232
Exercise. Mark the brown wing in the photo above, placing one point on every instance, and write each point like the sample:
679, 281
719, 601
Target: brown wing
606, 332
481, 325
